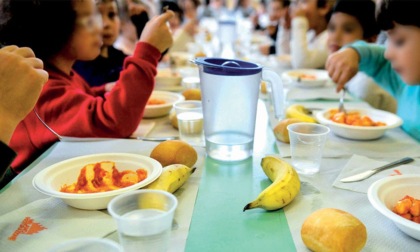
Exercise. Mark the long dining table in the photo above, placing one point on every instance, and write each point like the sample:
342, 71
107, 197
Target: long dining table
210, 214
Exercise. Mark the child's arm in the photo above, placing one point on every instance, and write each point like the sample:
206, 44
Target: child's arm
302, 56
368, 58
283, 40
373, 63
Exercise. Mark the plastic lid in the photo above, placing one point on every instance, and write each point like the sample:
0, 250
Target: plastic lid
219, 66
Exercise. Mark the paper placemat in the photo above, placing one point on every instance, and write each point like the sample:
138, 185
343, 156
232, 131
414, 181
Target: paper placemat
358, 164
317, 192
144, 128
42, 224
394, 144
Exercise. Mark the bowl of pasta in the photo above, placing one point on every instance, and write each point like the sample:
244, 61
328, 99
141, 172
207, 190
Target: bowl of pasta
359, 124
90, 182
160, 103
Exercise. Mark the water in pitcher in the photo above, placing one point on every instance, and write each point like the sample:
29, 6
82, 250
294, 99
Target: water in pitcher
229, 146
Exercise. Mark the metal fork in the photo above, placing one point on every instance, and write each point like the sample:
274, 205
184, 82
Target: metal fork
66, 138
341, 104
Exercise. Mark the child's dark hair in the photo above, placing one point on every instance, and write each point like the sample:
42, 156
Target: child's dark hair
404, 12
363, 11
33, 23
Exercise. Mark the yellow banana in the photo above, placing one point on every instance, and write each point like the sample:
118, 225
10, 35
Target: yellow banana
299, 112
172, 177
282, 191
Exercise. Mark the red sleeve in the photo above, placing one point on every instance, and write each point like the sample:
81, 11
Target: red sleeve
98, 90
72, 109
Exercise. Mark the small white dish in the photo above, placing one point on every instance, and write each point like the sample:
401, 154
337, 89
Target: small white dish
49, 180
306, 78
166, 77
361, 132
385, 193
159, 110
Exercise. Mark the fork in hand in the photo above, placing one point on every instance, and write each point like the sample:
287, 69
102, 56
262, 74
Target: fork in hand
341, 104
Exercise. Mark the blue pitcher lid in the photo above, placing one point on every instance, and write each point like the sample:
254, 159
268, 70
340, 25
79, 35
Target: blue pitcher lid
219, 66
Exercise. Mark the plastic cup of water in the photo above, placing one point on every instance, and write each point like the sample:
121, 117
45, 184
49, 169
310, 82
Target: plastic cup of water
144, 219
190, 122
307, 142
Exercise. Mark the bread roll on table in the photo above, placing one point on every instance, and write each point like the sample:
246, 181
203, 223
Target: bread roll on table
333, 230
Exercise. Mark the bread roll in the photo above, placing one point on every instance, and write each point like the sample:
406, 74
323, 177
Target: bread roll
333, 230
280, 130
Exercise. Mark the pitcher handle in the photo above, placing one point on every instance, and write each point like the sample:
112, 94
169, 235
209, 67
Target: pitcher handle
277, 95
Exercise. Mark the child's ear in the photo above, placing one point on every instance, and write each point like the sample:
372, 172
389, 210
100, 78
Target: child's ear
323, 11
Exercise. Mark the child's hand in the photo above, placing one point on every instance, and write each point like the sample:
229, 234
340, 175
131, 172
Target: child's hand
157, 33
342, 66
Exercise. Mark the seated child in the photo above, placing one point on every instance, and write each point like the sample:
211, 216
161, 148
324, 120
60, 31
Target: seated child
351, 21
67, 104
108, 65
308, 33
396, 67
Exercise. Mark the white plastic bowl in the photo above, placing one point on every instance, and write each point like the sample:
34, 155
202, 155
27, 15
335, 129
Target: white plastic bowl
361, 132
170, 98
385, 193
321, 78
50, 180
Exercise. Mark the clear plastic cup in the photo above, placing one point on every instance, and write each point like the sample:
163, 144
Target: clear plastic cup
87, 245
190, 122
307, 142
144, 219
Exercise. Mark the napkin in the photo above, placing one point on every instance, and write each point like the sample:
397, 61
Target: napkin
144, 128
358, 164
20, 228
394, 144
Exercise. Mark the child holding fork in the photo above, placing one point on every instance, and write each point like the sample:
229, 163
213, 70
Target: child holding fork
396, 67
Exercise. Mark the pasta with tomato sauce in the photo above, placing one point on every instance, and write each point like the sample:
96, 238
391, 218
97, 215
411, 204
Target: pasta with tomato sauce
102, 177
353, 118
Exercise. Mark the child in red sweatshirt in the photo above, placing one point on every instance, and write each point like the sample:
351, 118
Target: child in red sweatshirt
67, 104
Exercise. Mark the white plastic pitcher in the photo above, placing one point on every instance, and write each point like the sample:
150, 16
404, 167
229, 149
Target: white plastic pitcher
229, 90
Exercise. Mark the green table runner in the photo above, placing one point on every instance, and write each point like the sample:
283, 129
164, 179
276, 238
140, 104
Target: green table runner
218, 222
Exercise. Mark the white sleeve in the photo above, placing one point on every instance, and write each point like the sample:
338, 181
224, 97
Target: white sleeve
365, 88
283, 41
301, 55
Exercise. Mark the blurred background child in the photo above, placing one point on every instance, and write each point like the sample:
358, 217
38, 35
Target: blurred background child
108, 65
351, 21
308, 44
278, 14
396, 67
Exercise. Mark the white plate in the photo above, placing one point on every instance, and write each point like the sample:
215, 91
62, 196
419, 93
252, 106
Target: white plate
50, 180
320, 78
170, 98
361, 132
